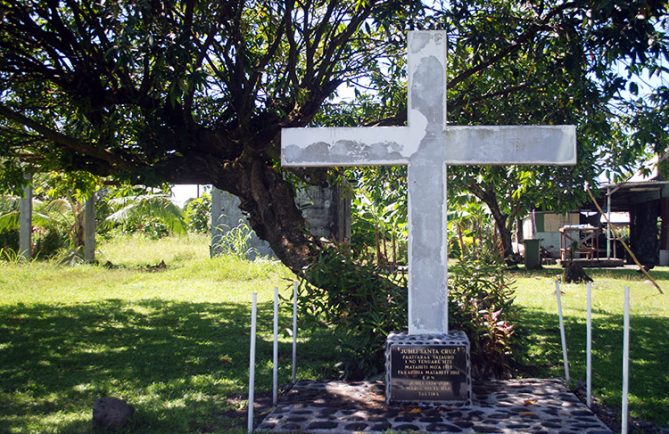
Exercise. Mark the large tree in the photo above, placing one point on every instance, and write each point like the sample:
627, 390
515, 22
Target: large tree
542, 63
198, 91
583, 58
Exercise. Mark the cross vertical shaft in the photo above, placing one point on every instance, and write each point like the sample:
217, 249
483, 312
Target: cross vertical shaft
428, 256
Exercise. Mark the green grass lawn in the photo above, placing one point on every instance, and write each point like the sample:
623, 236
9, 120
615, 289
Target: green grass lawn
649, 336
174, 343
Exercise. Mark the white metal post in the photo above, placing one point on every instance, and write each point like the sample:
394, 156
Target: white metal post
608, 223
562, 334
294, 331
252, 362
588, 346
626, 353
275, 349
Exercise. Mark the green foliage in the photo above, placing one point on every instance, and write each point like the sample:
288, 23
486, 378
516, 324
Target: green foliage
364, 311
379, 211
197, 214
469, 225
9, 240
57, 206
481, 304
9, 235
153, 214
49, 242
51, 231
9, 254
555, 79
155, 92
169, 91
361, 311
151, 227
75, 186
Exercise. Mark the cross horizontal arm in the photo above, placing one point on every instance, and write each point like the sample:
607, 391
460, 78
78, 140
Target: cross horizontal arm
347, 146
544, 144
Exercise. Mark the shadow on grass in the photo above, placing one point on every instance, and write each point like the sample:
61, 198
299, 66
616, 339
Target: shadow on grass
176, 362
541, 355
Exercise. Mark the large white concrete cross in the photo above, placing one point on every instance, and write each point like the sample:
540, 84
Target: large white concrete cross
427, 145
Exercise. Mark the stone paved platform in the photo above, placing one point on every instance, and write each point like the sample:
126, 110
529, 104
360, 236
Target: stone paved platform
512, 406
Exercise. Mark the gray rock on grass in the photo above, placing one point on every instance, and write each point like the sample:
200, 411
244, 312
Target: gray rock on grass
111, 413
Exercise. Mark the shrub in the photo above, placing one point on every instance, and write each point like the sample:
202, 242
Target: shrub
363, 306
197, 214
9, 240
153, 228
360, 303
481, 304
48, 243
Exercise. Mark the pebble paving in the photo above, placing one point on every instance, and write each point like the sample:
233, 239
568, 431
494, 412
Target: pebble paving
508, 406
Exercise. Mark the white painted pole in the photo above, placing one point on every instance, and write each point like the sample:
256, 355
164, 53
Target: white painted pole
562, 334
252, 362
25, 220
626, 361
275, 347
608, 223
89, 229
588, 346
294, 332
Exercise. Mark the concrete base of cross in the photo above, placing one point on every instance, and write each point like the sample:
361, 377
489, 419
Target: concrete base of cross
428, 369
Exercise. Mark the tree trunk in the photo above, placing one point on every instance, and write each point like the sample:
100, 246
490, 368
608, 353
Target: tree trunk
519, 228
643, 232
573, 273
505, 237
490, 199
504, 233
461, 239
270, 202
78, 227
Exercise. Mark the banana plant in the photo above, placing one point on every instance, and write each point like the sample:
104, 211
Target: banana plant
139, 208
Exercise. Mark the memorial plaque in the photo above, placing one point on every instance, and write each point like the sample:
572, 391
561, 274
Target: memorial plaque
422, 373
428, 368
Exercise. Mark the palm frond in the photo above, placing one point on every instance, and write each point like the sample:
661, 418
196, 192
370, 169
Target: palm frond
43, 215
9, 221
9, 203
62, 206
44, 220
158, 206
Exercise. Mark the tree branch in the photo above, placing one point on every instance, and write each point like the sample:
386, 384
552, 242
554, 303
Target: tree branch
518, 44
63, 140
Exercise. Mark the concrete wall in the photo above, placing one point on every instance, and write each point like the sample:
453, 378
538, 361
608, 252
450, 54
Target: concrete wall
327, 210
226, 215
